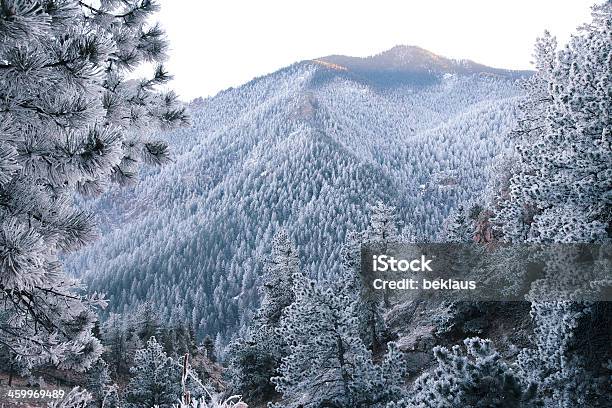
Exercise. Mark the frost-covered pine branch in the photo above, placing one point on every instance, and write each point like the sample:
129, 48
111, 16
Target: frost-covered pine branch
477, 378
71, 119
560, 192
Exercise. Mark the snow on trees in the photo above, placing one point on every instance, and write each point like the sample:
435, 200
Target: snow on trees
71, 120
255, 357
328, 364
561, 190
278, 280
247, 166
477, 378
155, 379
560, 193
381, 231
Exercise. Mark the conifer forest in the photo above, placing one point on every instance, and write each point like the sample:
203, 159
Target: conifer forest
208, 253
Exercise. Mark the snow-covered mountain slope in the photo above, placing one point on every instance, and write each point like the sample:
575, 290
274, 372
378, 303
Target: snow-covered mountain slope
309, 148
408, 65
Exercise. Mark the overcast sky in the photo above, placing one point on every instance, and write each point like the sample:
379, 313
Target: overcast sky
218, 44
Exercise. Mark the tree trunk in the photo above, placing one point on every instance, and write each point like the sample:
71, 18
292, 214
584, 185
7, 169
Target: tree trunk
345, 378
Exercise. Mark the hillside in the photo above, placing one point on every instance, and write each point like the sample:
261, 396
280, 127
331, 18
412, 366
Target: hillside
410, 64
308, 147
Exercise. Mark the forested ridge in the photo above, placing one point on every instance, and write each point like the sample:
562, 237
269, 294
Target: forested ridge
227, 270
307, 148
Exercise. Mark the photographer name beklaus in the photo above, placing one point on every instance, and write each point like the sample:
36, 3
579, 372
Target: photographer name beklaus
423, 284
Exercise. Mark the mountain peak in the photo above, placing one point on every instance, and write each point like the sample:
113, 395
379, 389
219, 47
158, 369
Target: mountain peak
411, 57
407, 51
410, 61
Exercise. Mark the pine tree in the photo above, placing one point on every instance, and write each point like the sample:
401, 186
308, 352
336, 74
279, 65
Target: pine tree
255, 357
459, 227
479, 378
383, 223
560, 193
328, 364
562, 378
209, 348
278, 280
117, 341
252, 361
219, 347
156, 378
381, 233
146, 321
103, 391
71, 120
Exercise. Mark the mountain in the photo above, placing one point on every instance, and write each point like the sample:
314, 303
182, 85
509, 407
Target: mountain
308, 148
409, 65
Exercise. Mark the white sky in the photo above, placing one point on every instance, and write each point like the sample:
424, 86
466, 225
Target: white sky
223, 43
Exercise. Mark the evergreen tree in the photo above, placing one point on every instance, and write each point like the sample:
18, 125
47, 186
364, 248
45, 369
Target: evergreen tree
559, 371
209, 348
255, 357
383, 223
459, 227
252, 361
380, 234
561, 189
146, 321
278, 280
103, 391
71, 120
156, 379
328, 364
119, 349
478, 379
560, 193
219, 347
183, 341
